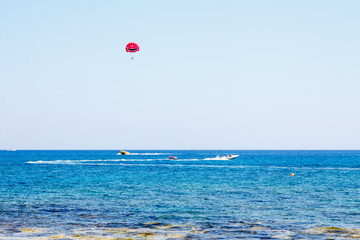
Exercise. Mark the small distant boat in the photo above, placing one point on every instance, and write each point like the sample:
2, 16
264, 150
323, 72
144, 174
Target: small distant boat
123, 153
232, 156
227, 157
173, 158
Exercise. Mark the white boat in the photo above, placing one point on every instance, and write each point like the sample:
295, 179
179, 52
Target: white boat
227, 157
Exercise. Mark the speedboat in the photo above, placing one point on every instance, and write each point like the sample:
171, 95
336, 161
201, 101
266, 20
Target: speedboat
173, 158
232, 156
227, 157
123, 153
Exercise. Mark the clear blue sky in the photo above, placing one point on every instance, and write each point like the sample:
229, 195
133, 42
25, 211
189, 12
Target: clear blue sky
209, 75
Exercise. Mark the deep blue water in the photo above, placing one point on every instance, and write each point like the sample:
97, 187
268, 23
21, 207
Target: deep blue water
99, 194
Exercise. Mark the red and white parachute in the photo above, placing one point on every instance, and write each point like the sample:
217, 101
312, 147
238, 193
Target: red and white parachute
132, 47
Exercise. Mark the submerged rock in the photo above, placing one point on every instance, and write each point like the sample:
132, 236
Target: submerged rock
147, 234
28, 230
335, 231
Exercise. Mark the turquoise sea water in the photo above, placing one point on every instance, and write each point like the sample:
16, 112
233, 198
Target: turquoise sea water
144, 195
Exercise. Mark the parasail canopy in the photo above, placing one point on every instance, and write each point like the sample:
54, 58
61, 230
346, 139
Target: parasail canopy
132, 47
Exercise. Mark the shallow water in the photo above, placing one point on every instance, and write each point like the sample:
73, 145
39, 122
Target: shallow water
102, 195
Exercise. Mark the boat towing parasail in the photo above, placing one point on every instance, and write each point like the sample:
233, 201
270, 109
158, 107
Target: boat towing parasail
227, 157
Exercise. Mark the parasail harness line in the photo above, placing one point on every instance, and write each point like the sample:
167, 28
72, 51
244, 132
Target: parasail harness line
132, 48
